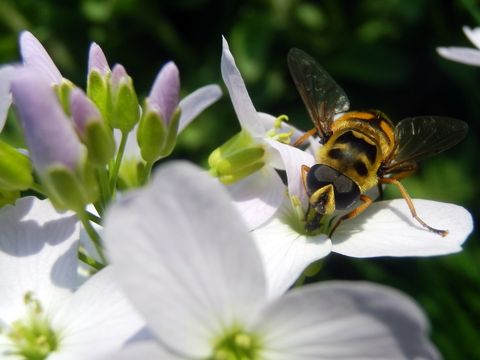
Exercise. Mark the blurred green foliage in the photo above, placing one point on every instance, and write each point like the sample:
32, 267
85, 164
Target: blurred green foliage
381, 52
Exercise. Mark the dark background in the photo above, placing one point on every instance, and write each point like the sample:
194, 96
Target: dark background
381, 52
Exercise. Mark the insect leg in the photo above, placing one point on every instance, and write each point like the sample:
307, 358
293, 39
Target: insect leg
408, 199
366, 202
304, 137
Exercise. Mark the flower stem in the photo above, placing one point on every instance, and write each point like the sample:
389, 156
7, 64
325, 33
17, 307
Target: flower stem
92, 233
82, 256
147, 170
118, 160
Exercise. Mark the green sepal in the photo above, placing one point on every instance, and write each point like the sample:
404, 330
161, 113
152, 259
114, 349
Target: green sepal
97, 91
70, 190
125, 109
98, 139
237, 158
8, 197
64, 189
63, 93
171, 136
151, 136
15, 169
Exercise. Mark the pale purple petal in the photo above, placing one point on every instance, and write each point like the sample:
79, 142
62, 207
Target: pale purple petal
119, 74
49, 133
83, 109
246, 113
97, 60
198, 267
38, 253
193, 104
98, 318
462, 55
387, 228
258, 196
285, 252
345, 320
6, 75
293, 160
473, 35
35, 56
164, 96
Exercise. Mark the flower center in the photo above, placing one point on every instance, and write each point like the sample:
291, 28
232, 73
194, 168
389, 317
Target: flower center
32, 336
237, 345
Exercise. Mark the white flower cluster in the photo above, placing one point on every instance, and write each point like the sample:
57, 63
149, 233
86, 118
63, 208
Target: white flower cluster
184, 267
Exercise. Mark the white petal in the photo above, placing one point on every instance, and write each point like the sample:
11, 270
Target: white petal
258, 196
185, 258
293, 160
285, 252
473, 35
145, 350
193, 104
99, 316
6, 76
246, 113
461, 54
345, 320
34, 55
387, 228
38, 253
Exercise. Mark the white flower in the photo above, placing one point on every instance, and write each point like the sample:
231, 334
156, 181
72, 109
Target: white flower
42, 314
386, 228
260, 194
464, 55
188, 263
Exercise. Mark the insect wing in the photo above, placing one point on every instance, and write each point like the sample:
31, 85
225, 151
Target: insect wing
320, 93
424, 136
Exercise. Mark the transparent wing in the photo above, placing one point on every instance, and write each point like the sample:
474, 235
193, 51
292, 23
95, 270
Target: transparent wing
424, 136
320, 93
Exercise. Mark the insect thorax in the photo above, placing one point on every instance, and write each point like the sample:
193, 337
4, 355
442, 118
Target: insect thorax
360, 141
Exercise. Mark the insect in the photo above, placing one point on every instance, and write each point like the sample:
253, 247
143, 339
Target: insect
361, 149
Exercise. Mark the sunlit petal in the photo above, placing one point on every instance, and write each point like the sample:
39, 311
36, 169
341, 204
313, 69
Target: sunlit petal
473, 35
193, 104
246, 113
345, 320
189, 275
387, 228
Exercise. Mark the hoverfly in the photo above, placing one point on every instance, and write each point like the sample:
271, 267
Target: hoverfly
361, 149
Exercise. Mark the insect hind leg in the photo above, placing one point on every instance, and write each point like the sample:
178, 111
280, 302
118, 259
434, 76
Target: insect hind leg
408, 199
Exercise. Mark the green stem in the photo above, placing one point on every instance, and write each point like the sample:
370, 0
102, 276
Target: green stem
147, 170
92, 217
118, 161
92, 233
82, 256
104, 186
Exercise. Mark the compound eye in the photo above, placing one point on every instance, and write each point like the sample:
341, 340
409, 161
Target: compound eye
346, 190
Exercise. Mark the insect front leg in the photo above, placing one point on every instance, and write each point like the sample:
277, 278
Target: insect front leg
305, 136
366, 202
408, 199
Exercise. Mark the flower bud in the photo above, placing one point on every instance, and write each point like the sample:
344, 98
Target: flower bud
92, 130
97, 81
125, 111
55, 150
157, 132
